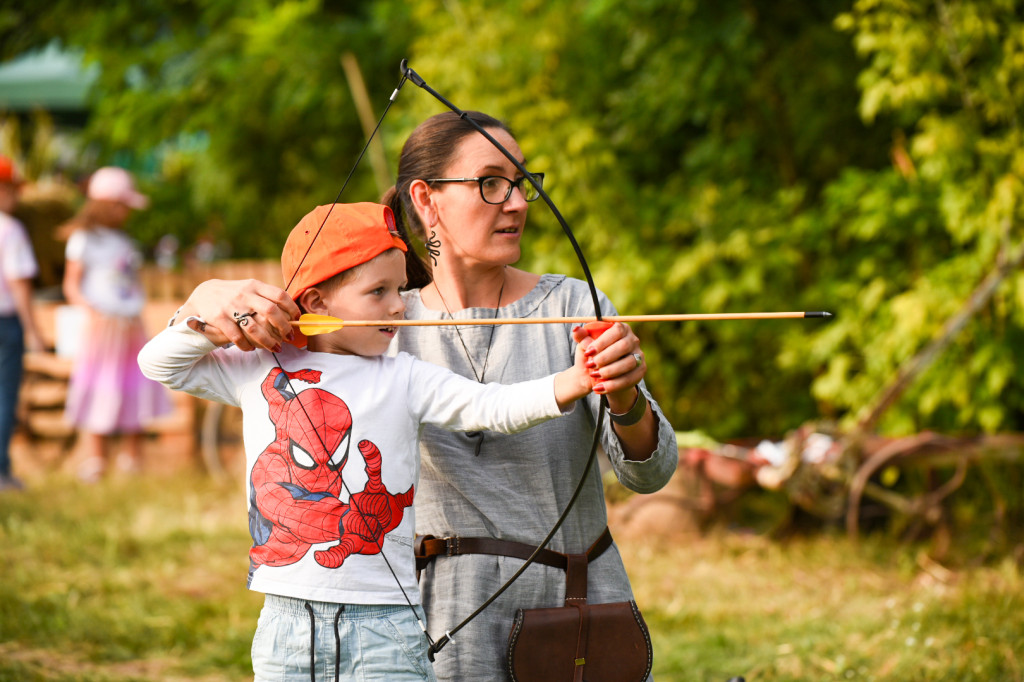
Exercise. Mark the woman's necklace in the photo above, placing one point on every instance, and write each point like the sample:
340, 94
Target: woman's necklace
477, 435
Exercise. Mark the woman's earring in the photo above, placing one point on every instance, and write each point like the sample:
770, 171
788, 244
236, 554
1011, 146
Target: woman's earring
433, 246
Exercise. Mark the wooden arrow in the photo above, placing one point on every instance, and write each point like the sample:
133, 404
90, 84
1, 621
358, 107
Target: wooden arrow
310, 324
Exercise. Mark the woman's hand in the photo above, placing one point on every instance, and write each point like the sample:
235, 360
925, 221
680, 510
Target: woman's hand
248, 313
617, 365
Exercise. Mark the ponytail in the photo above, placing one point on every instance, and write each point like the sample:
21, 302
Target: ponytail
416, 269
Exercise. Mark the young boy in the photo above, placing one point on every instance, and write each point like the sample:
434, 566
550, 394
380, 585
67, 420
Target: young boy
331, 437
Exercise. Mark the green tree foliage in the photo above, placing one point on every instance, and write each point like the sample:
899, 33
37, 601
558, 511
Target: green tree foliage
686, 139
724, 156
857, 156
239, 113
950, 74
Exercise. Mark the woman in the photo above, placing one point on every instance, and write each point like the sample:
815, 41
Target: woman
107, 394
467, 202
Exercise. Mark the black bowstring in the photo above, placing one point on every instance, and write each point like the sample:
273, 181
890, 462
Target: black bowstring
447, 637
391, 100
379, 533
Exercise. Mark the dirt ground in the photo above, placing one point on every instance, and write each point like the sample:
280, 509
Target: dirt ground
163, 452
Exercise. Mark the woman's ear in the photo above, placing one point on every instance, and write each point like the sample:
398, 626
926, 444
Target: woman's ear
312, 301
423, 202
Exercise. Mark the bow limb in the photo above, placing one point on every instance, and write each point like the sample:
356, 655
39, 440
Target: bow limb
417, 80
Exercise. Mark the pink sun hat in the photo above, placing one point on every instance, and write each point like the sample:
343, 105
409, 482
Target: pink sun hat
111, 183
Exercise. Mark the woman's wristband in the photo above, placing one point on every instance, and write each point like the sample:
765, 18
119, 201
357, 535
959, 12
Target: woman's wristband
634, 414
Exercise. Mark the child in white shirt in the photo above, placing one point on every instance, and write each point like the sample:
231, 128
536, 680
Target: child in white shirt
331, 435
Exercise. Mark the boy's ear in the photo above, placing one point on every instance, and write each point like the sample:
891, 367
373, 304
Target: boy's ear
312, 301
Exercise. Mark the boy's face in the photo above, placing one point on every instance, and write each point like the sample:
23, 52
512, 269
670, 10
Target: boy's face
373, 293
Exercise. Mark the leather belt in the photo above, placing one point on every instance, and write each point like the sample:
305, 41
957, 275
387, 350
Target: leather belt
427, 547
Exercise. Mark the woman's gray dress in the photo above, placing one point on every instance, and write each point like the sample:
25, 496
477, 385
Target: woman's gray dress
518, 485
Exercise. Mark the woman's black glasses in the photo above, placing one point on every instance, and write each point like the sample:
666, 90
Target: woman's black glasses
496, 189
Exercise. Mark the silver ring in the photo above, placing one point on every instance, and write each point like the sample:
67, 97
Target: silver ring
639, 359
242, 319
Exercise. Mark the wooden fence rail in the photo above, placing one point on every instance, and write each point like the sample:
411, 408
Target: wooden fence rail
176, 284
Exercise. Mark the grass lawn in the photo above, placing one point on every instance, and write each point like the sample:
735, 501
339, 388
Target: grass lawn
144, 579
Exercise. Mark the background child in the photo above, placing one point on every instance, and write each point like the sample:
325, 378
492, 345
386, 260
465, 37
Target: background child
331, 436
17, 321
107, 394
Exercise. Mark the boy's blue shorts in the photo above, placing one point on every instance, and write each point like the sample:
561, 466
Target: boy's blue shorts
377, 642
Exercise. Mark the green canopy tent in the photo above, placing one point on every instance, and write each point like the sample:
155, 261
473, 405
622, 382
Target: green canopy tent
51, 80
56, 82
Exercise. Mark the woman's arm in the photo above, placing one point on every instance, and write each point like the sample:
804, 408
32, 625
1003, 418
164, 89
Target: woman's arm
217, 301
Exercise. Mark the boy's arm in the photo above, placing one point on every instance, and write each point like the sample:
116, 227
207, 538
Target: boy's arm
439, 396
575, 382
179, 358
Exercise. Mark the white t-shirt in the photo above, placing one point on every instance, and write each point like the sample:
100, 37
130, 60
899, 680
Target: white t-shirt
301, 517
17, 261
110, 264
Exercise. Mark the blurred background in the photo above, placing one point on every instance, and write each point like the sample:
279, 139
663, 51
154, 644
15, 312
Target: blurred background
857, 157
863, 157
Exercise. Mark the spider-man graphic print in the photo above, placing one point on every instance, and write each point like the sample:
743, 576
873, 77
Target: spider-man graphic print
296, 482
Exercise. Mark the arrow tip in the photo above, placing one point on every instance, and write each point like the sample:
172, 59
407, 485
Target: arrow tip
818, 313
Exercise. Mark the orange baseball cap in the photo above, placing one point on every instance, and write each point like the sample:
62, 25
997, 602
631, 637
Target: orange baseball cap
352, 234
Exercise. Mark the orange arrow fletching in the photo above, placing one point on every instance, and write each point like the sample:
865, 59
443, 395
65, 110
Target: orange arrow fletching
311, 325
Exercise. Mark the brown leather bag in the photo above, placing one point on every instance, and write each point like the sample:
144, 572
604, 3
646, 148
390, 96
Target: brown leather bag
580, 641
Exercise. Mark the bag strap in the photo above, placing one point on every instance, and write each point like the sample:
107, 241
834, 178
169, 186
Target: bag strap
576, 580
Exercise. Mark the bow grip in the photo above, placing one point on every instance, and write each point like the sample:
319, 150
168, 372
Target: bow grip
596, 328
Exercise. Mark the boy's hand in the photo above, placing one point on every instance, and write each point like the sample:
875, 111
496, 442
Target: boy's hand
575, 382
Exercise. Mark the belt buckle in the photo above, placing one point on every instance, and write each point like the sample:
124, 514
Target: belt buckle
451, 545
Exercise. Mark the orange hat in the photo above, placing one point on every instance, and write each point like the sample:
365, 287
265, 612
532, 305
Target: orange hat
7, 171
352, 234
